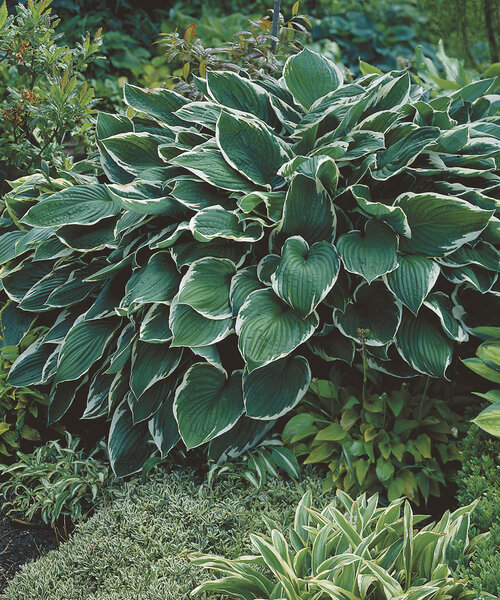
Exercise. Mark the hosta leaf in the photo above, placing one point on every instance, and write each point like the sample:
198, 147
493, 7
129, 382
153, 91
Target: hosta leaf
392, 215
273, 204
136, 200
310, 76
83, 346
21, 280
242, 285
28, 368
243, 436
305, 275
97, 398
146, 406
273, 390
403, 152
205, 287
77, 205
154, 327
163, 427
269, 329
412, 281
480, 367
251, 148
158, 103
158, 281
128, 444
482, 254
135, 152
308, 211
36, 298
373, 308
489, 419
15, 323
197, 195
423, 346
441, 304
332, 346
369, 254
207, 403
150, 364
210, 166
216, 222
187, 253
440, 224
267, 267
191, 329
231, 90
62, 397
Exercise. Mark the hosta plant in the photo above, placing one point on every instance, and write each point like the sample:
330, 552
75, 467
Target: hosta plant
487, 364
350, 550
398, 443
231, 240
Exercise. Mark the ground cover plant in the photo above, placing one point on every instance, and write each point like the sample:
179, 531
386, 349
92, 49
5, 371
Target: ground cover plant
240, 236
137, 548
399, 443
349, 549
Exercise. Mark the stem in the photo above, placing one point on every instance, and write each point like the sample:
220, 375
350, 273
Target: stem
363, 354
424, 395
489, 18
276, 16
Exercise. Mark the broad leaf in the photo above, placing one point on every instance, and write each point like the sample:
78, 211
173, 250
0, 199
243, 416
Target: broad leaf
412, 281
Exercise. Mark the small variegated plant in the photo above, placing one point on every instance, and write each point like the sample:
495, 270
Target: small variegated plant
229, 241
350, 550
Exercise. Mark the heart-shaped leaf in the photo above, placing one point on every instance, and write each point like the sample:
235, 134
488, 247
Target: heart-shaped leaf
412, 281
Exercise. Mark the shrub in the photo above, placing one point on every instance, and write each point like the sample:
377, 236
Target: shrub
55, 482
398, 443
136, 548
349, 549
43, 96
186, 295
480, 479
22, 409
487, 364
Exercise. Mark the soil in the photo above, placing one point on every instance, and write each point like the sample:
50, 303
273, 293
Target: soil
20, 544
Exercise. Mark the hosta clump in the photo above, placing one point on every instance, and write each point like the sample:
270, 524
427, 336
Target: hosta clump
349, 550
399, 443
232, 239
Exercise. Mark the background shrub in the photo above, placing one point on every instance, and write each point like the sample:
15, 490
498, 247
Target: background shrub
136, 548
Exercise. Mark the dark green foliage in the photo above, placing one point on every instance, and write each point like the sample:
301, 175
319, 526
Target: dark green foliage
480, 479
136, 548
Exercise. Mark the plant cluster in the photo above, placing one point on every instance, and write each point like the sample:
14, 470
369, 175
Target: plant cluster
21, 408
479, 479
487, 364
44, 99
399, 443
240, 236
136, 548
351, 550
56, 481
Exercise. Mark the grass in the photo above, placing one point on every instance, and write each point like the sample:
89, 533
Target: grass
136, 548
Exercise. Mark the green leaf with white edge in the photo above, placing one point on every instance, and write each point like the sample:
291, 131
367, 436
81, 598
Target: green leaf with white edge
205, 287
269, 329
158, 103
440, 224
77, 205
132, 199
158, 281
273, 390
308, 211
18, 282
305, 275
128, 444
412, 281
421, 343
250, 147
154, 326
333, 346
489, 419
489, 351
150, 401
191, 329
449, 315
402, 153
318, 166
207, 403
373, 309
369, 254
267, 267
231, 90
135, 152
310, 76
150, 364
273, 204
28, 368
242, 285
392, 215
197, 195
185, 253
84, 344
163, 427
216, 222
210, 166
492, 396
62, 397
481, 368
